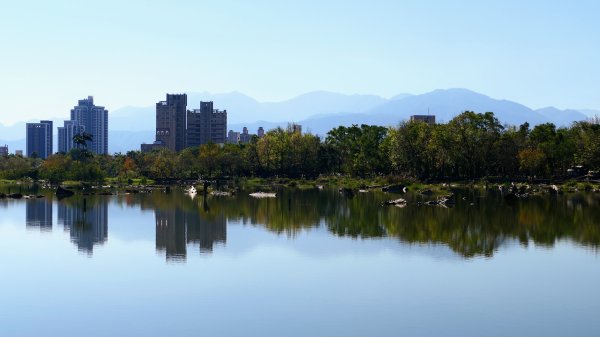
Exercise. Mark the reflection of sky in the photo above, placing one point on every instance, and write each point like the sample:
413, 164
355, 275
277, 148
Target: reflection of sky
130, 224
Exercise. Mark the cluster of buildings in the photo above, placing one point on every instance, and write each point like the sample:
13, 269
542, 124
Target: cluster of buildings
244, 137
85, 117
178, 128
4, 151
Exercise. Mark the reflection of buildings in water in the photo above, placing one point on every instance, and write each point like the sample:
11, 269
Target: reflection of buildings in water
176, 228
87, 227
205, 232
38, 214
170, 234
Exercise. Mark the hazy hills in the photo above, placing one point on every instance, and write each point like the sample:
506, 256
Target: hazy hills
318, 112
590, 113
562, 117
244, 109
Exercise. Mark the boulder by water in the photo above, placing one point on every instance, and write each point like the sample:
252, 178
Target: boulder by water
348, 192
399, 201
397, 188
220, 194
64, 193
263, 195
425, 191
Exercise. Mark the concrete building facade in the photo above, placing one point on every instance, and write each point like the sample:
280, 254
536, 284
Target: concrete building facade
4, 150
206, 125
171, 122
151, 147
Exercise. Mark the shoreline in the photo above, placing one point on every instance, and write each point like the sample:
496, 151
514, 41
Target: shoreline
350, 184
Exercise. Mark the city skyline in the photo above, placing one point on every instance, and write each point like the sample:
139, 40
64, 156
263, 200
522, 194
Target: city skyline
320, 108
510, 50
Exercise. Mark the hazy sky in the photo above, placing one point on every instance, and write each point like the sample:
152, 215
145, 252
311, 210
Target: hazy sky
53, 53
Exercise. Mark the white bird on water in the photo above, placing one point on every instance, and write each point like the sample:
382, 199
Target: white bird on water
191, 191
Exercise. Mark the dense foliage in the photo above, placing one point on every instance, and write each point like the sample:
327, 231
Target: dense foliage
470, 146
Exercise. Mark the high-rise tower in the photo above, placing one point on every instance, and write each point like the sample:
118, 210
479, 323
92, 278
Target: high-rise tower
206, 125
94, 120
39, 139
171, 122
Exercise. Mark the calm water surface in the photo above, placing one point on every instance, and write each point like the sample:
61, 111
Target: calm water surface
308, 263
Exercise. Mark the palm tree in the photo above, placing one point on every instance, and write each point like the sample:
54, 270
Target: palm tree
81, 139
81, 152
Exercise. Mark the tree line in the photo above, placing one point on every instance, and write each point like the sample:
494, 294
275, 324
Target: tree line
470, 146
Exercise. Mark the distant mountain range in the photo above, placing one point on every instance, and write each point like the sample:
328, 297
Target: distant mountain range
318, 112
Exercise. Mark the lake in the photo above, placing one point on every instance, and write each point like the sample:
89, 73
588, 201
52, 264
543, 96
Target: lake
307, 263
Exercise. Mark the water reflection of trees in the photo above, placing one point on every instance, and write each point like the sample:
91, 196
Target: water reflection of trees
478, 225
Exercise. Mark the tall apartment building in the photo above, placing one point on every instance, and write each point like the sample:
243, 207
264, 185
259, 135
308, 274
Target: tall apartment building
4, 150
66, 133
171, 122
95, 121
206, 125
39, 139
261, 132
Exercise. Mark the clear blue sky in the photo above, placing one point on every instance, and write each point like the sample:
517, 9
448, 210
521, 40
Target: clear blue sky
132, 52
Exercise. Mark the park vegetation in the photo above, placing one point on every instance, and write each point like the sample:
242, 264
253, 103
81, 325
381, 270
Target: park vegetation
470, 146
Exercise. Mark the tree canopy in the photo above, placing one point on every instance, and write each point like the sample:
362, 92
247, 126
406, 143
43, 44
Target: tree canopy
470, 146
